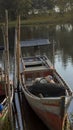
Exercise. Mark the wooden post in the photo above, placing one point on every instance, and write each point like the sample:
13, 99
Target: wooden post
53, 53
18, 51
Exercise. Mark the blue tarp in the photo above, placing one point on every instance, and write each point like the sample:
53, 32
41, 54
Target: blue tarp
36, 42
1, 48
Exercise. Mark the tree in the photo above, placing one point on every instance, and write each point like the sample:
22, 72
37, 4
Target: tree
26, 7
15, 7
64, 5
39, 4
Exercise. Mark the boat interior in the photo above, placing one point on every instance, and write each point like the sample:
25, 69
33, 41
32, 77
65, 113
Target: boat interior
47, 90
31, 75
34, 70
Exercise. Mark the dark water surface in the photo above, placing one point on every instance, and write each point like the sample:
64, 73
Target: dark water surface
60, 51
61, 39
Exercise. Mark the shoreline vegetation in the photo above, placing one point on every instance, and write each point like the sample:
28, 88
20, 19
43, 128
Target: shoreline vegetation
45, 19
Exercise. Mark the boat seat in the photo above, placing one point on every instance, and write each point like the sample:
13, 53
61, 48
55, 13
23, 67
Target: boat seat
47, 90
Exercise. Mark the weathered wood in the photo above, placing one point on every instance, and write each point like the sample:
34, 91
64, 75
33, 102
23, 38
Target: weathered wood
18, 50
17, 82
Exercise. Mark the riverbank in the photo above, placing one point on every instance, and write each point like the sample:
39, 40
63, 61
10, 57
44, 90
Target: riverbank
45, 19
49, 19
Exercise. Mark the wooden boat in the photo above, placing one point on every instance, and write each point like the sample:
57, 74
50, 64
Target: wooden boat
4, 100
48, 100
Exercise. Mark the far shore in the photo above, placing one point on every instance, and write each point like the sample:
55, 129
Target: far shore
44, 19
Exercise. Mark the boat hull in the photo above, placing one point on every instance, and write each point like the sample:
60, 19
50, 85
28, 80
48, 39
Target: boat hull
48, 100
48, 110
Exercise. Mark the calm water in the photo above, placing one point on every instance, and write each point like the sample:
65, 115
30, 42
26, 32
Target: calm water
60, 51
61, 37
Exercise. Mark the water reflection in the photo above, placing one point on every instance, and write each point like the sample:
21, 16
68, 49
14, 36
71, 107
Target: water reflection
63, 49
67, 27
60, 51
62, 38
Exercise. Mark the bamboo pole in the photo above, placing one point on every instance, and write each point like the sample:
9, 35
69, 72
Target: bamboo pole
17, 99
53, 53
4, 59
8, 68
18, 51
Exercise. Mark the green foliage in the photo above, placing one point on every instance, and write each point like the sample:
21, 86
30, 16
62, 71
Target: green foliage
64, 5
23, 7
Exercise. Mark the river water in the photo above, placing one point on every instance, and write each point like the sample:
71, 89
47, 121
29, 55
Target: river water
59, 51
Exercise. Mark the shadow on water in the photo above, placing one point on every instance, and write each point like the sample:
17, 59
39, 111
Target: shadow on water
31, 120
